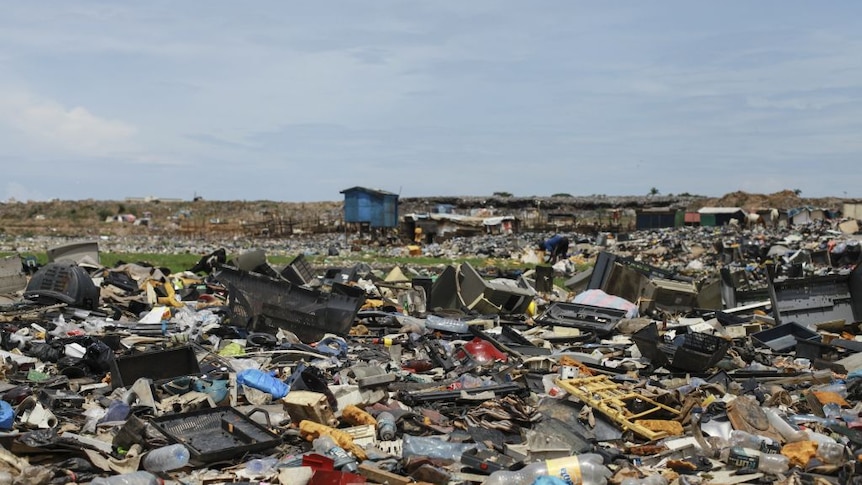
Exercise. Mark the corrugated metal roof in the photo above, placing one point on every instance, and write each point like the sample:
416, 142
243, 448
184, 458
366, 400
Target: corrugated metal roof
719, 210
366, 189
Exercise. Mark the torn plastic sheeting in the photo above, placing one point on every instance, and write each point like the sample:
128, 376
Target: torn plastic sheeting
308, 313
599, 298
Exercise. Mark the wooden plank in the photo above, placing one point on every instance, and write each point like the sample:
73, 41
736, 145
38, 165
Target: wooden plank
382, 477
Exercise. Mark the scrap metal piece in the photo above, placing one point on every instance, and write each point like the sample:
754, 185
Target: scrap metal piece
609, 398
499, 390
438, 353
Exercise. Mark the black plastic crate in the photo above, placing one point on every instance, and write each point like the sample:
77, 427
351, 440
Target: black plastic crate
216, 434
783, 337
299, 271
694, 351
158, 365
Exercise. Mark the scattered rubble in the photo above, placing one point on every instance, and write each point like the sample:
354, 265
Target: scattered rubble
697, 355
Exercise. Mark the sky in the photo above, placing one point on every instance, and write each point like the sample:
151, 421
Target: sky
296, 101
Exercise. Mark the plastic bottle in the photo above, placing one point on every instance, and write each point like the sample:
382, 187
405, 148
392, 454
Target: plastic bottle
386, 426
767, 463
774, 464
433, 448
344, 461
260, 466
785, 429
586, 469
745, 439
134, 478
832, 410
263, 381
166, 458
820, 438
117, 411
446, 324
812, 418
831, 453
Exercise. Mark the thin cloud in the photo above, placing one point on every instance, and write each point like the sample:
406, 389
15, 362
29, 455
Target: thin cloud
75, 128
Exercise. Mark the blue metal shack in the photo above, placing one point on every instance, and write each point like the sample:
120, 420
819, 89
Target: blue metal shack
376, 208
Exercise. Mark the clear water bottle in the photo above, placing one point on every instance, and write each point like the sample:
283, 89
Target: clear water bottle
166, 458
774, 464
736, 456
386, 426
344, 461
831, 453
446, 324
261, 466
586, 469
134, 478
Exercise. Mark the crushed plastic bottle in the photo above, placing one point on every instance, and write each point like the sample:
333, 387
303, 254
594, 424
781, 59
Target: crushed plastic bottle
745, 439
831, 453
134, 478
586, 469
261, 466
433, 448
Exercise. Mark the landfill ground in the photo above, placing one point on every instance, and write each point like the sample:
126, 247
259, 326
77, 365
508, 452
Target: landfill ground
692, 355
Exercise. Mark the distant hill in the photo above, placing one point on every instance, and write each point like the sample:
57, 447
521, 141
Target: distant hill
199, 218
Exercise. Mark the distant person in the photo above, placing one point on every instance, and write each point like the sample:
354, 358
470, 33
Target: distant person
555, 248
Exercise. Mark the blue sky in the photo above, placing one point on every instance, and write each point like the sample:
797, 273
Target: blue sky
295, 101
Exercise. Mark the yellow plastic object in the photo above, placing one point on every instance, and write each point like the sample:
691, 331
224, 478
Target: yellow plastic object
356, 416
311, 430
531, 309
610, 399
